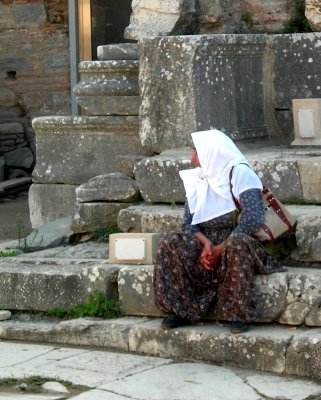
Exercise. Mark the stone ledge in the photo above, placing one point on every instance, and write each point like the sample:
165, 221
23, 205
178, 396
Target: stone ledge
264, 348
290, 298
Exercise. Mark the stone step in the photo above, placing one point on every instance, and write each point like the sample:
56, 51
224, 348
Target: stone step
148, 217
293, 175
108, 70
275, 349
45, 280
290, 298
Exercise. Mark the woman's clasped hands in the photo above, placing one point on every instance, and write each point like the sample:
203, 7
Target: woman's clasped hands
211, 254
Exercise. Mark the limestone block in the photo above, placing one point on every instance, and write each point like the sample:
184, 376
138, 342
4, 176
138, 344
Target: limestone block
7, 97
304, 355
158, 178
201, 82
4, 314
126, 164
313, 14
46, 285
119, 51
294, 314
135, 287
314, 316
91, 217
19, 158
48, 202
72, 150
109, 187
26, 14
159, 17
213, 344
308, 238
281, 176
133, 248
296, 58
151, 218
310, 173
6, 17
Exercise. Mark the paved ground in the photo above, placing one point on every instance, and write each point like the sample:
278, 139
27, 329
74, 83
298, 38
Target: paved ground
116, 376
10, 209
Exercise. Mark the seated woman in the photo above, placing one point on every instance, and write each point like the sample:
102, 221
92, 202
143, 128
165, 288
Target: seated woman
212, 260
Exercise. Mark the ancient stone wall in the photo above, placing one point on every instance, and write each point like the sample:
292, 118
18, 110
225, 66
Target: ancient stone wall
34, 59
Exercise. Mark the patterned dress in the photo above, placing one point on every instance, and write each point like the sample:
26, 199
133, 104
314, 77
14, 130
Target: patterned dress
184, 287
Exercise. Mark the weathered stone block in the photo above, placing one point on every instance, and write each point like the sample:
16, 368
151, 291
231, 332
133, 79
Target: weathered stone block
308, 239
26, 14
199, 82
219, 16
151, 218
294, 314
158, 178
126, 164
157, 18
48, 202
307, 122
44, 286
313, 14
119, 51
72, 150
110, 187
1, 169
4, 314
91, 217
304, 355
11, 128
310, 173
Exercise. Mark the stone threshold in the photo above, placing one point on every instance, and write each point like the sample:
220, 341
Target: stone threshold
269, 348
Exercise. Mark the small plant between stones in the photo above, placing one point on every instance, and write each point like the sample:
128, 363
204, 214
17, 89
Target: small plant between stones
299, 23
96, 306
24, 244
8, 253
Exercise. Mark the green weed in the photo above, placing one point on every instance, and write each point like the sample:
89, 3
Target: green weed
299, 22
8, 253
96, 306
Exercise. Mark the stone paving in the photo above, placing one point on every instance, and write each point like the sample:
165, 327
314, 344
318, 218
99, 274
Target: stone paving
117, 376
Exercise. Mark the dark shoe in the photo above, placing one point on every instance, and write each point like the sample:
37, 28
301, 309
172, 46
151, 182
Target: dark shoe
238, 327
173, 321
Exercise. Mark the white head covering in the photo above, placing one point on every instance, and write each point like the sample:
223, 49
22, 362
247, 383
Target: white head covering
208, 188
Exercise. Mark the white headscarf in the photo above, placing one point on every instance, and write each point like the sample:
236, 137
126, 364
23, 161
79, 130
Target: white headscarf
208, 188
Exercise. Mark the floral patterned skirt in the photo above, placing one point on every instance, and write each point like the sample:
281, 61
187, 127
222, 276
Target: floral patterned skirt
184, 287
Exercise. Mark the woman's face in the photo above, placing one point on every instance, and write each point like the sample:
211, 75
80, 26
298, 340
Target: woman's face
195, 160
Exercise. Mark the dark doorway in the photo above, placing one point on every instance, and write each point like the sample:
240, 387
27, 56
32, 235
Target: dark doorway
109, 18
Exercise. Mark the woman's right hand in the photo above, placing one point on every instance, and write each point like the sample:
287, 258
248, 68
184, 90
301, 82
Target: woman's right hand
209, 256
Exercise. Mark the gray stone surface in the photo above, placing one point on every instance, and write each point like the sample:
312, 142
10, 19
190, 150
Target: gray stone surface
313, 14
308, 239
48, 202
71, 150
263, 348
1, 169
310, 173
91, 217
119, 51
185, 379
54, 387
304, 355
157, 18
206, 81
11, 128
288, 388
44, 285
19, 158
109, 187
150, 218
126, 164
158, 178
4, 315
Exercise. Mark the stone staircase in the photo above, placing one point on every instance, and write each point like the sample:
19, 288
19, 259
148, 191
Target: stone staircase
287, 336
